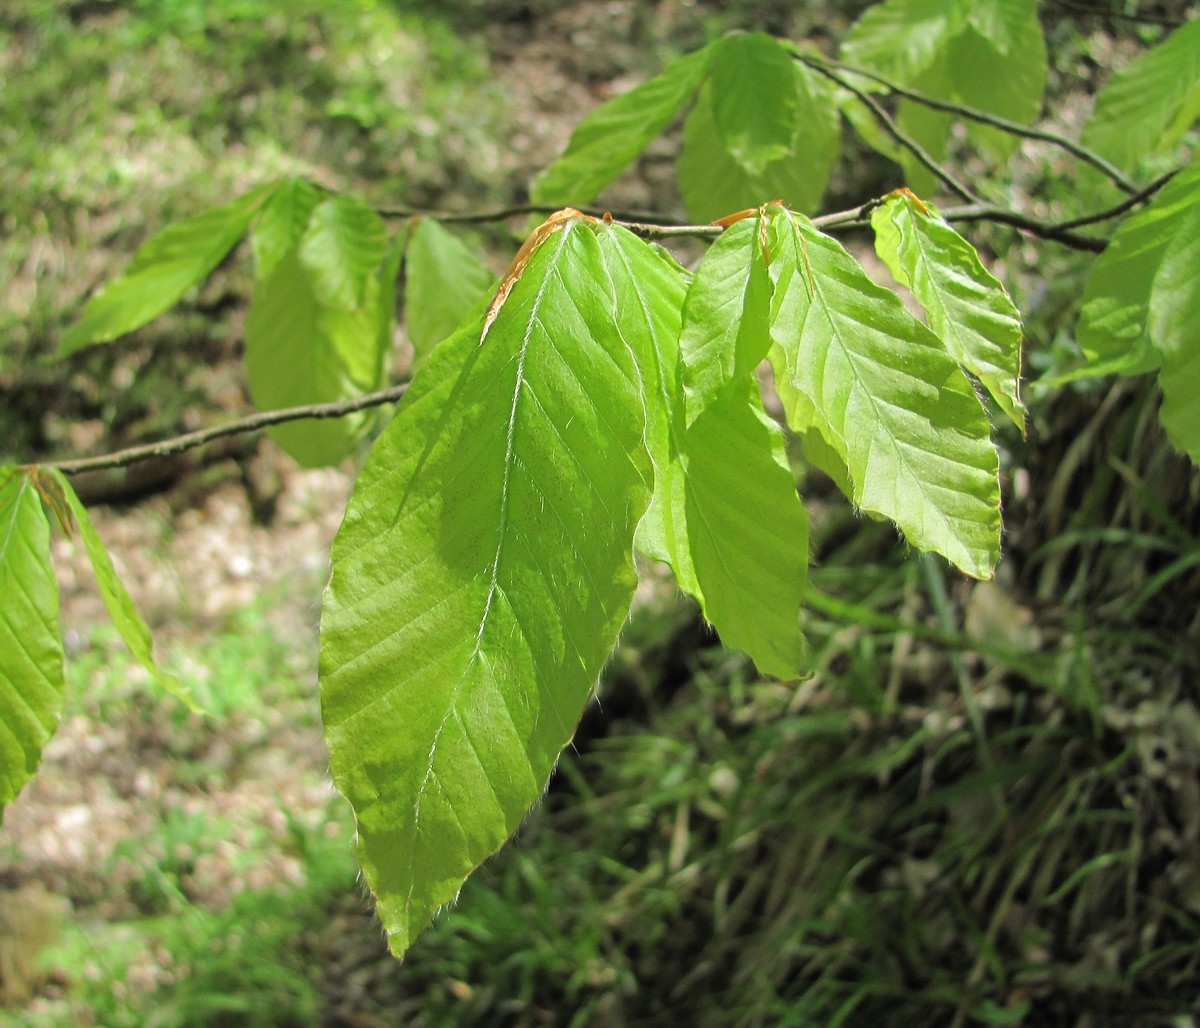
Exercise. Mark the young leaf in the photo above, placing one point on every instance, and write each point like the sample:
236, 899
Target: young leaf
480, 578
300, 351
889, 399
341, 248
754, 103
745, 528
167, 266
713, 183
444, 280
725, 333
1174, 316
1114, 321
125, 617
608, 139
31, 654
281, 223
1147, 106
965, 304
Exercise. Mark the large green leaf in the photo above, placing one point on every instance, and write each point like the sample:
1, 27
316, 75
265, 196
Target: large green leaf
167, 266
121, 609
713, 183
725, 333
31, 654
901, 38
1147, 106
965, 304
299, 351
754, 100
341, 248
1114, 320
281, 223
608, 139
1174, 330
444, 279
885, 394
480, 578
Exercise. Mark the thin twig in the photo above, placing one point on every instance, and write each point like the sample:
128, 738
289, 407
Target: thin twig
898, 134
1003, 216
1141, 196
983, 117
253, 423
513, 211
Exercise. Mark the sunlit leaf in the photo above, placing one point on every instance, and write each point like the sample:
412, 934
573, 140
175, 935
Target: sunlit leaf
121, 609
281, 223
901, 38
444, 280
480, 578
31, 653
965, 304
608, 139
886, 396
1147, 106
167, 266
341, 248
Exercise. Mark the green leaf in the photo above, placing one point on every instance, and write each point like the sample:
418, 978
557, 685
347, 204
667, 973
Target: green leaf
712, 182
901, 38
1147, 106
298, 351
725, 333
746, 529
341, 248
608, 139
886, 396
480, 578
444, 280
281, 223
31, 654
965, 304
754, 103
121, 609
1119, 297
167, 266
1173, 329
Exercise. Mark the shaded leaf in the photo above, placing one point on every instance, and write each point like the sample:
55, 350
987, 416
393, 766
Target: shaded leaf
167, 266
1147, 106
444, 280
965, 304
608, 139
1119, 296
341, 248
712, 183
480, 578
281, 223
31, 653
299, 351
754, 102
886, 396
901, 38
121, 609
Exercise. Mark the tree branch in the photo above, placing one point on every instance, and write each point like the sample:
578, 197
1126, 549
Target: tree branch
253, 423
984, 118
898, 134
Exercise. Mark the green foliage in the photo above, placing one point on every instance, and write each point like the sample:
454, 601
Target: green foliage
444, 279
990, 56
1145, 108
31, 655
965, 304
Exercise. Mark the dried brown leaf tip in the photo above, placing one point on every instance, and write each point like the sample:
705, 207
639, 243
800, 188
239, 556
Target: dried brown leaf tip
539, 235
911, 196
